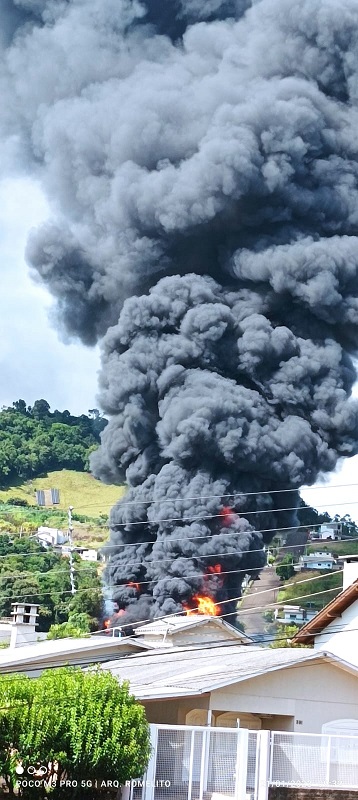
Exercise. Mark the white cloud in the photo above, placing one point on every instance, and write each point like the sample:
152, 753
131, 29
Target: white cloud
34, 363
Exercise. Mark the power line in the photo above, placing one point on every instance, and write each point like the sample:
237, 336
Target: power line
255, 530
202, 497
166, 616
332, 543
241, 597
189, 538
90, 569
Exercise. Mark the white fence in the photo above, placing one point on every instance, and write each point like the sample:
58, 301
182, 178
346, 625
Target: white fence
313, 760
198, 763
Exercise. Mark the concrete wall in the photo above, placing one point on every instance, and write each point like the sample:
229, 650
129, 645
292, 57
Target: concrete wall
303, 698
283, 793
341, 635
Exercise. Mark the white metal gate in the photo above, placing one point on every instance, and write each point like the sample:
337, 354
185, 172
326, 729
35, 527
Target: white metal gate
196, 763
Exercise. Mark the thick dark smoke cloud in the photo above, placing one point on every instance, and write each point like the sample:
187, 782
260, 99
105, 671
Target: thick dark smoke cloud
202, 163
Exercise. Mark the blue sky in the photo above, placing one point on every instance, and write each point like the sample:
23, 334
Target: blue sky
34, 362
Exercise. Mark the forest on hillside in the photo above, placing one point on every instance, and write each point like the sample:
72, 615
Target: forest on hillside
35, 440
30, 572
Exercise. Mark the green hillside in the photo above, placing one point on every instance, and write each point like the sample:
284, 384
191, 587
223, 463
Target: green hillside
89, 497
91, 501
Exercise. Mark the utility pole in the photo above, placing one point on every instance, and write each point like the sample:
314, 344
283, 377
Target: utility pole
70, 532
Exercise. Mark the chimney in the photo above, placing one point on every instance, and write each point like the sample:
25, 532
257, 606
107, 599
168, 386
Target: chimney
23, 626
350, 570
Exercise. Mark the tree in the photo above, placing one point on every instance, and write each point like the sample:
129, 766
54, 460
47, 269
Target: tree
35, 440
285, 569
29, 571
40, 409
16, 696
20, 406
78, 626
84, 726
284, 636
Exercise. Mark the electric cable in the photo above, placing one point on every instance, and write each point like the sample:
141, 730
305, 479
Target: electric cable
212, 496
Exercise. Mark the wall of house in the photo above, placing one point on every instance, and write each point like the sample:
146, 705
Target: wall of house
284, 793
300, 698
341, 635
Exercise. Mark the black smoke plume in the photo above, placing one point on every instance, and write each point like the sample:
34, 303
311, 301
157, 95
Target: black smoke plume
202, 164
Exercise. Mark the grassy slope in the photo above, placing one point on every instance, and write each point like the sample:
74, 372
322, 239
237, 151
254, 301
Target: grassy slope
324, 583
79, 489
343, 548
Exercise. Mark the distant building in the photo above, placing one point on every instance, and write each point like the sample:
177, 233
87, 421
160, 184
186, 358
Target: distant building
87, 555
294, 615
317, 561
328, 532
50, 537
47, 497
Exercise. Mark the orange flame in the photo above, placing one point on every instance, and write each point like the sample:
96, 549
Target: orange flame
228, 515
203, 605
107, 623
215, 570
134, 585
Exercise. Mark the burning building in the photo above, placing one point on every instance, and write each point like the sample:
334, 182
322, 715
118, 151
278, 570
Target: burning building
202, 164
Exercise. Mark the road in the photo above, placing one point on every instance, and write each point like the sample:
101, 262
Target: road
253, 620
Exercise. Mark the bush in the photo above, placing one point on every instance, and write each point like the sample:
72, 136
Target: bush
84, 726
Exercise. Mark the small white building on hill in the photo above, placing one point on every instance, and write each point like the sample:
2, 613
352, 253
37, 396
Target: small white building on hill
327, 531
50, 537
294, 615
319, 560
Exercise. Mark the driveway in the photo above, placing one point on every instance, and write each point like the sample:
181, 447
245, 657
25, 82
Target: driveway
254, 621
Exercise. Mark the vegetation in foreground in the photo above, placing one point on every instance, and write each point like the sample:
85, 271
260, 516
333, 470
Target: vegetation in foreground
85, 728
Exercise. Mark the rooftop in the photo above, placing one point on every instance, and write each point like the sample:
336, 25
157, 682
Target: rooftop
176, 624
54, 652
194, 671
329, 613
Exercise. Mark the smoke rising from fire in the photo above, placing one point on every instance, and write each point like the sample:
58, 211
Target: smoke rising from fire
202, 163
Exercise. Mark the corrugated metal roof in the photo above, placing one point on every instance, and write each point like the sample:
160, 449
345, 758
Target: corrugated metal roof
174, 624
66, 649
191, 672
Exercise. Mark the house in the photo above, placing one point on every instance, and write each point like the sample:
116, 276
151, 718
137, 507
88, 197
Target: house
317, 560
293, 615
335, 627
191, 630
50, 537
328, 531
222, 684
34, 658
29, 650
87, 555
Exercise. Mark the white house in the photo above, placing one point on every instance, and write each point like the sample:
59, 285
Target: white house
317, 560
189, 630
294, 615
87, 555
335, 628
50, 537
264, 689
328, 531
